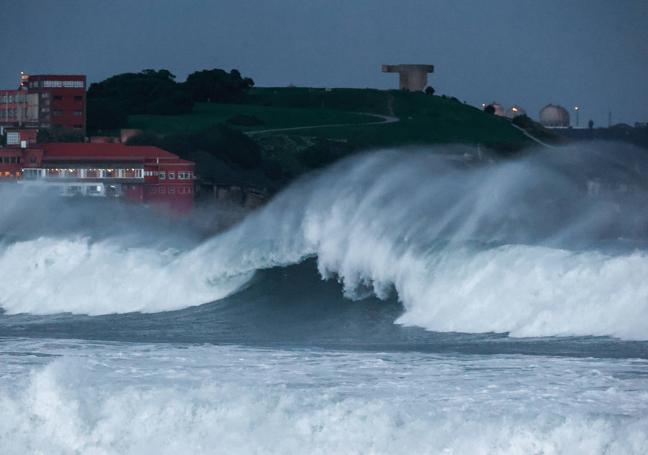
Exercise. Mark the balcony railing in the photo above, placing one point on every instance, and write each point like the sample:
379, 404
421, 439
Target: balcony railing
83, 173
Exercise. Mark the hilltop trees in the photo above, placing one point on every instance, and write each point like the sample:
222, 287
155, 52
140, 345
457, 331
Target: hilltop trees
111, 101
217, 86
156, 92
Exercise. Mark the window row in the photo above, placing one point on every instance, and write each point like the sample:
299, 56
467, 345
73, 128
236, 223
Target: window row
59, 113
10, 160
81, 173
56, 84
8, 99
170, 190
162, 175
61, 98
8, 113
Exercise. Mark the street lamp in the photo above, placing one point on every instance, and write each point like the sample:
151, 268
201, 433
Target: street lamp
577, 109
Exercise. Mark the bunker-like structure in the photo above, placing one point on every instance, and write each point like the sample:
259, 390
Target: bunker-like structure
412, 77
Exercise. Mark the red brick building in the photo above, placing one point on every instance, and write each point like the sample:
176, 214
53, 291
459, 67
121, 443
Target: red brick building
136, 173
45, 101
103, 167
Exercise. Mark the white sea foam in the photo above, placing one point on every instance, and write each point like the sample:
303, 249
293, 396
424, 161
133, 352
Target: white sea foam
125, 399
48, 275
512, 247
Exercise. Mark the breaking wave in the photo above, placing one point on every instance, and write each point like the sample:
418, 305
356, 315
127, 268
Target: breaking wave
174, 403
47, 275
552, 243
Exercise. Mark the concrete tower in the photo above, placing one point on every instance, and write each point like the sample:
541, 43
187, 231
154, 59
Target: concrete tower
412, 77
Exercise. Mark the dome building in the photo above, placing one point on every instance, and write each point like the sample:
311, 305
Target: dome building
515, 111
554, 116
498, 109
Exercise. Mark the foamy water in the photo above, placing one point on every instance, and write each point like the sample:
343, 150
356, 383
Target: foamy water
398, 302
139, 399
516, 247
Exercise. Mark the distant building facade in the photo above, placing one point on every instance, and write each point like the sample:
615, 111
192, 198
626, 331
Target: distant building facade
142, 174
45, 101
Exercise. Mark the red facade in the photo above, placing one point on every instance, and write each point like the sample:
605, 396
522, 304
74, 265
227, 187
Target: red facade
11, 106
11, 163
101, 168
62, 100
46, 101
136, 173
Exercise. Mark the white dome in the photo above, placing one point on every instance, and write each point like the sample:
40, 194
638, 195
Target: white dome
552, 115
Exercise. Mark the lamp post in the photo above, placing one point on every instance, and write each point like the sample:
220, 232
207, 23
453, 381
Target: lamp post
577, 109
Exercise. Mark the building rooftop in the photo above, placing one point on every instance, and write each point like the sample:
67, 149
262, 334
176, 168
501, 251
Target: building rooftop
106, 151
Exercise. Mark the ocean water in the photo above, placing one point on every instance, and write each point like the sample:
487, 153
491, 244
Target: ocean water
397, 302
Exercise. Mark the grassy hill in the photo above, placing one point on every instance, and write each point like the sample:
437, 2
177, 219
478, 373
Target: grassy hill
330, 124
424, 119
205, 115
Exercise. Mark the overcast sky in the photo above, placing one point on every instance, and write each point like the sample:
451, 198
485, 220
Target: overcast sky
593, 53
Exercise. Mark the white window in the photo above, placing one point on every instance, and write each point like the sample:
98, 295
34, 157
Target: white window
162, 175
51, 84
171, 175
72, 84
13, 138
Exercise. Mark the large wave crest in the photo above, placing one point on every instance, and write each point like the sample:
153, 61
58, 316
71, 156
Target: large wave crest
548, 244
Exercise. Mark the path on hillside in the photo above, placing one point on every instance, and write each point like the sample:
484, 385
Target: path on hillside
384, 120
532, 137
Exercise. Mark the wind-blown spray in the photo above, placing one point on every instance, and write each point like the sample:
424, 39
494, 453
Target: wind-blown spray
547, 244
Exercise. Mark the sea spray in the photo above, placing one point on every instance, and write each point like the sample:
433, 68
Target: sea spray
551, 243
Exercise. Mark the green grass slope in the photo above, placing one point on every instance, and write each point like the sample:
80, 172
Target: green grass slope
205, 115
331, 124
424, 119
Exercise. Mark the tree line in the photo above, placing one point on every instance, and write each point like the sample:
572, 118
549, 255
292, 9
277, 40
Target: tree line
157, 92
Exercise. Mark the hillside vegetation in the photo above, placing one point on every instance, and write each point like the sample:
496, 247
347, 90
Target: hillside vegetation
241, 134
300, 129
205, 115
424, 119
